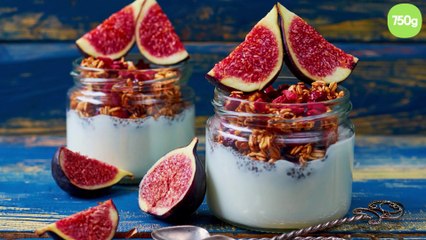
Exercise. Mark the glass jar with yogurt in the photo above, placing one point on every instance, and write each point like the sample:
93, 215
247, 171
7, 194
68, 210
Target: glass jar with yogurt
127, 113
280, 163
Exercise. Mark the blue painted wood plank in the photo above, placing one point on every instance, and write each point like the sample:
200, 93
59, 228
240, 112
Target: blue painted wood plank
200, 20
29, 198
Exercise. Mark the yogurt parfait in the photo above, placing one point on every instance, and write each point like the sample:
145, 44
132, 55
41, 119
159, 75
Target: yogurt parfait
279, 154
276, 161
127, 113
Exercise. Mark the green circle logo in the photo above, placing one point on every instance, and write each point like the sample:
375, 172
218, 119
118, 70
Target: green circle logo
404, 20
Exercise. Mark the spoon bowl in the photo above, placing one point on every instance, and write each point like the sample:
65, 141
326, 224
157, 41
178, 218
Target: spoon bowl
184, 232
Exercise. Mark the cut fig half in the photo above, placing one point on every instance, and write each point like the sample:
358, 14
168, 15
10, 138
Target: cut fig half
254, 63
114, 37
156, 37
82, 176
174, 187
308, 55
99, 222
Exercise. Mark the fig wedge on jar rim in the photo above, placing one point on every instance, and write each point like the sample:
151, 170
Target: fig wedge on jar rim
114, 37
308, 55
254, 63
156, 37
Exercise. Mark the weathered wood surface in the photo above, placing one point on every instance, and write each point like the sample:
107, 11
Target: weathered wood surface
387, 88
391, 168
201, 20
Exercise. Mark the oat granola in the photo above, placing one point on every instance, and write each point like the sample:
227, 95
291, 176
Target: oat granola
289, 110
126, 90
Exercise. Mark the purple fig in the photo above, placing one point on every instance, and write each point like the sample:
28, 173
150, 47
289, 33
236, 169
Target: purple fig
156, 38
99, 222
256, 62
82, 176
308, 55
174, 187
114, 37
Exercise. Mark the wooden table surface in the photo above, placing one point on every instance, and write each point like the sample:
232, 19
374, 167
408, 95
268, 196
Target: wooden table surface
391, 168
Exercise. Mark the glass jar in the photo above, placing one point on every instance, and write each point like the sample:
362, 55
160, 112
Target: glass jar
128, 117
273, 171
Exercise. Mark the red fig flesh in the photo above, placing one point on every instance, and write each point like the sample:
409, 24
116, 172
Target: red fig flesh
308, 55
156, 37
114, 37
99, 222
256, 62
83, 176
175, 185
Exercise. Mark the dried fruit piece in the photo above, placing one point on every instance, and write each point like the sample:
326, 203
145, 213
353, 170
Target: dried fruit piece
256, 62
175, 186
99, 222
308, 55
114, 37
83, 176
156, 37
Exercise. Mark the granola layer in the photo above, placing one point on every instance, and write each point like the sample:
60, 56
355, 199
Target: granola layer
292, 122
124, 89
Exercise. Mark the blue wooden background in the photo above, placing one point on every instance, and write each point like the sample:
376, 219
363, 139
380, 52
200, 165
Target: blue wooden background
37, 47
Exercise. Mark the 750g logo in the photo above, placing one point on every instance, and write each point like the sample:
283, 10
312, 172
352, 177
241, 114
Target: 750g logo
404, 20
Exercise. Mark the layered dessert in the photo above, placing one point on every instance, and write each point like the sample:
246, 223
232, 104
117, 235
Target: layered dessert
127, 115
284, 159
280, 155
129, 110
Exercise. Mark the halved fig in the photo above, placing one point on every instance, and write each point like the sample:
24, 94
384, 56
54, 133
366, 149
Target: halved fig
254, 63
82, 176
114, 37
156, 37
174, 187
308, 55
99, 222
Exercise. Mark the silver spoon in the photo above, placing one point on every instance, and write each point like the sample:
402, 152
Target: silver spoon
376, 212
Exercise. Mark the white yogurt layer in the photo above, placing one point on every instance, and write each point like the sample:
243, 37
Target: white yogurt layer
131, 144
278, 196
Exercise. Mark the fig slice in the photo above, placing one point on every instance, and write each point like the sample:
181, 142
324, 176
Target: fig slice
254, 63
308, 55
99, 222
174, 187
82, 176
114, 37
156, 38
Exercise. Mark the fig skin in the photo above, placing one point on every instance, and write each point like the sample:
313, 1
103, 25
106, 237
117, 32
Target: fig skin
192, 198
65, 184
284, 15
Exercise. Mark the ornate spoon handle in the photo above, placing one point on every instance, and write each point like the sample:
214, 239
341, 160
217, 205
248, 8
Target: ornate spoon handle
374, 214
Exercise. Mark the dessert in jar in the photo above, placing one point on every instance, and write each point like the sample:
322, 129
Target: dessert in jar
279, 155
274, 163
125, 110
129, 116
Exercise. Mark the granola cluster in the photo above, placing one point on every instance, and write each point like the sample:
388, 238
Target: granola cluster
123, 89
282, 122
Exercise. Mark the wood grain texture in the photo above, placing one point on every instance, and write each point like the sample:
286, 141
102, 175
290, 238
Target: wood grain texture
29, 198
387, 87
201, 20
